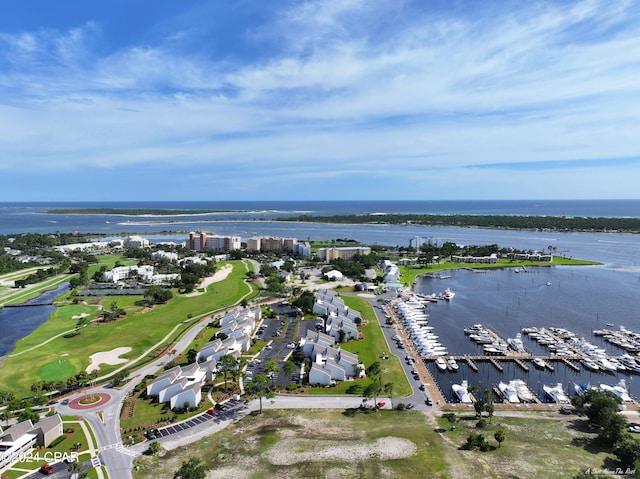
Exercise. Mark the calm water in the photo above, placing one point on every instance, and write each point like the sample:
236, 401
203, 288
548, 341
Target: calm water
16, 323
29, 217
580, 299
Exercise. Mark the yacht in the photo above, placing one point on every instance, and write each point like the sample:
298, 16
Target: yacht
619, 390
556, 393
539, 363
516, 343
452, 364
589, 364
524, 393
462, 393
581, 389
441, 363
509, 393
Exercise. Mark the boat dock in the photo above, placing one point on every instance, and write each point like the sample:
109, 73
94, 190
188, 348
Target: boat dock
519, 359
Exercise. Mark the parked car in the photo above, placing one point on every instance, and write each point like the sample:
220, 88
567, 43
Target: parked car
381, 404
47, 469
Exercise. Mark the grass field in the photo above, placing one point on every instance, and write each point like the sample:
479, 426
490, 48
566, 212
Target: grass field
330, 444
140, 330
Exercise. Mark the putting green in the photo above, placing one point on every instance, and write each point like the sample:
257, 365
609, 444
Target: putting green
56, 370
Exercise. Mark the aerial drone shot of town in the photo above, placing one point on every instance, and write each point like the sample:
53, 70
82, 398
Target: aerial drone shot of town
319, 239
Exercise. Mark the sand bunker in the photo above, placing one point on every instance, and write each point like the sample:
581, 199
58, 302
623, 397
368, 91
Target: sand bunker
107, 357
219, 275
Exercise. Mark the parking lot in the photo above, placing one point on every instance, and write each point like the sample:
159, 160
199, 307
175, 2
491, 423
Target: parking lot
220, 412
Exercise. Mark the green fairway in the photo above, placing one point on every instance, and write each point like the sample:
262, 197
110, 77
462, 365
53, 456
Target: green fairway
56, 370
141, 329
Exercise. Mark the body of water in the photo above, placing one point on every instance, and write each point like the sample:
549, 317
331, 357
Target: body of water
16, 323
580, 299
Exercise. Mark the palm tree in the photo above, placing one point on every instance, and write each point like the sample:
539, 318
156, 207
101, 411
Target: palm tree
388, 389
227, 364
499, 436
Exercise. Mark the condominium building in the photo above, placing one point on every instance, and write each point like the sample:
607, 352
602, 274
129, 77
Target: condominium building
202, 242
346, 252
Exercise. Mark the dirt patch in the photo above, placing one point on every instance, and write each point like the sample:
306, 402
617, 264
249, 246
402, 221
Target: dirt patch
294, 451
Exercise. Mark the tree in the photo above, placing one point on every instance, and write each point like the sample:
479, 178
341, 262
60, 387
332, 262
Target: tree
602, 411
154, 448
388, 389
372, 391
227, 364
499, 436
289, 368
191, 469
192, 355
259, 387
270, 368
28, 414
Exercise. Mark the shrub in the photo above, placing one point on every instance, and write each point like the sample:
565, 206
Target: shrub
482, 423
57, 441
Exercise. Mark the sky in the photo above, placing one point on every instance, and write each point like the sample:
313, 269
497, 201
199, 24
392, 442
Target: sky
315, 100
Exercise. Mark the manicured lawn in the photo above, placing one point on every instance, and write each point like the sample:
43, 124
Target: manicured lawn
56, 370
138, 330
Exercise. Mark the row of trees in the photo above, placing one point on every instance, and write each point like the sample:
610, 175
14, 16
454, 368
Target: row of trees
552, 223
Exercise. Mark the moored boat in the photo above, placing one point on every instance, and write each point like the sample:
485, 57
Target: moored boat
462, 393
556, 393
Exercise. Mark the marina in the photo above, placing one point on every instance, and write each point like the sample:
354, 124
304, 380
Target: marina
546, 359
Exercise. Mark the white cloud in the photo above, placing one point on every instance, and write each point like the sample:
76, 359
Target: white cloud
354, 89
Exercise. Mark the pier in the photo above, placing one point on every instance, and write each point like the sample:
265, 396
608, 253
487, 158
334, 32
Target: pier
524, 366
496, 363
28, 305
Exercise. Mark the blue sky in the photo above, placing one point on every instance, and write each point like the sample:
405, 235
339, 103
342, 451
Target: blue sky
331, 99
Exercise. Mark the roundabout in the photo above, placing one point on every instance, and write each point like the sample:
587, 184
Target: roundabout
89, 401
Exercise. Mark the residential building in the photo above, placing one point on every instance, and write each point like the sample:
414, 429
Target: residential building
136, 242
180, 386
202, 242
346, 252
24, 436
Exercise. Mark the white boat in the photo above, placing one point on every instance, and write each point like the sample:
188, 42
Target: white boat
606, 365
556, 393
509, 393
589, 364
441, 363
462, 393
448, 294
539, 363
516, 343
619, 390
524, 393
452, 364
581, 389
